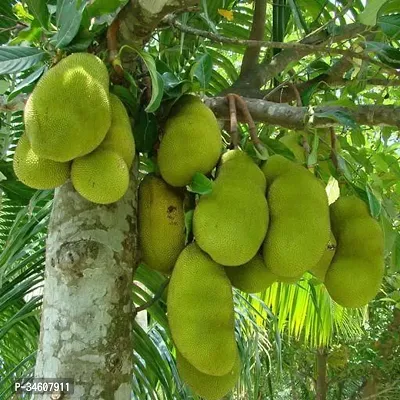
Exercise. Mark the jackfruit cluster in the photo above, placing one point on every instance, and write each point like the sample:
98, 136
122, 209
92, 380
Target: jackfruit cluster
74, 128
256, 227
355, 274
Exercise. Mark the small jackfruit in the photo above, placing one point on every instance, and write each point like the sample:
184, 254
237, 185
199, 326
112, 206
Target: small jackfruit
237, 167
320, 270
191, 143
299, 229
230, 223
293, 141
68, 113
119, 137
252, 277
356, 271
209, 387
36, 172
161, 223
101, 177
200, 312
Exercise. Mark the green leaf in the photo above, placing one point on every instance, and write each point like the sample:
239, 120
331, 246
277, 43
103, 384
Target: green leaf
313, 157
340, 116
145, 132
395, 259
374, 204
188, 224
157, 83
38, 9
4, 85
387, 54
370, 13
18, 58
68, 18
357, 138
102, 7
200, 184
202, 69
33, 77
390, 25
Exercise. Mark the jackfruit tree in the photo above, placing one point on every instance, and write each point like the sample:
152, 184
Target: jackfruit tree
194, 194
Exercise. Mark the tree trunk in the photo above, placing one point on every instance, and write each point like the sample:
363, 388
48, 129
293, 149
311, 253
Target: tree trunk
370, 390
322, 384
87, 306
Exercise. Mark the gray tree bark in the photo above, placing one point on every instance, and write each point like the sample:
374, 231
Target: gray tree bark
87, 307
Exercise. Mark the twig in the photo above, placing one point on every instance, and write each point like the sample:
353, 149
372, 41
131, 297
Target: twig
154, 299
333, 148
233, 121
112, 45
257, 143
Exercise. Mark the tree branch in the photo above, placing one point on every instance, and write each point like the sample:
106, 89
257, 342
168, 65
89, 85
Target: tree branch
251, 55
138, 19
305, 117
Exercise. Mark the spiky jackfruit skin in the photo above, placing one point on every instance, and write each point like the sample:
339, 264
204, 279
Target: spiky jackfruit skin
356, 271
161, 224
293, 141
299, 218
119, 137
68, 113
252, 277
230, 223
191, 143
101, 177
209, 387
36, 172
200, 312
320, 270
235, 163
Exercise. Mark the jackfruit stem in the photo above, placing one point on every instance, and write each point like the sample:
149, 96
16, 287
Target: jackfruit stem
154, 299
334, 157
233, 121
112, 45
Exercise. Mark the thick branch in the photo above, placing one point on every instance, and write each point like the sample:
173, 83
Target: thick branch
268, 69
139, 18
251, 55
303, 117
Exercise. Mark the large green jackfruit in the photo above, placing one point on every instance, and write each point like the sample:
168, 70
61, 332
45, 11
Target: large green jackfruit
68, 113
320, 270
230, 223
36, 172
209, 387
119, 137
200, 312
252, 277
101, 177
299, 229
161, 224
356, 271
191, 143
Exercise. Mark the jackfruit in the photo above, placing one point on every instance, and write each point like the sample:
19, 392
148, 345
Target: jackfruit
230, 223
235, 163
36, 172
191, 143
68, 113
200, 312
356, 271
161, 223
299, 229
320, 270
119, 137
293, 141
101, 177
252, 277
209, 387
